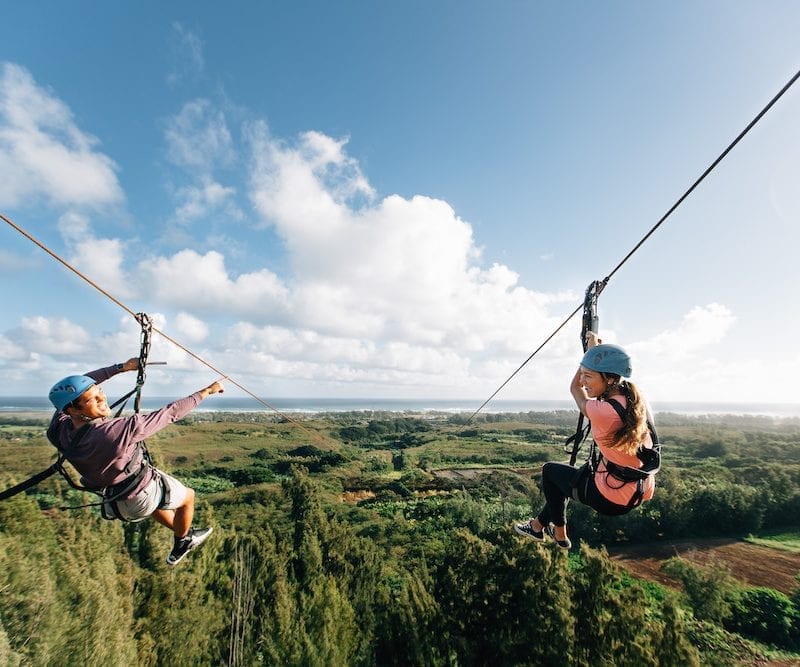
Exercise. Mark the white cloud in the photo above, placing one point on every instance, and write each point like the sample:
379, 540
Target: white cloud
190, 328
396, 270
11, 351
54, 336
199, 142
198, 137
187, 54
701, 327
384, 296
100, 260
204, 199
188, 280
681, 363
42, 151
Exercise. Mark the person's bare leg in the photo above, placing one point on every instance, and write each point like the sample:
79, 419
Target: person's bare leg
180, 519
164, 517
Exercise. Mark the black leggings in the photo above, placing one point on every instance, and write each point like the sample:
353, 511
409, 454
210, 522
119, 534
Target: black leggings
561, 482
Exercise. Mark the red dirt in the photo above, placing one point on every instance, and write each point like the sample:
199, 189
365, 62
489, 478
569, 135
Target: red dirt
753, 564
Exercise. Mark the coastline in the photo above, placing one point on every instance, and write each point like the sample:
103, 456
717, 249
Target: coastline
309, 407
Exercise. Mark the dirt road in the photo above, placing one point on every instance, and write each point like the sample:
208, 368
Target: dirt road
753, 564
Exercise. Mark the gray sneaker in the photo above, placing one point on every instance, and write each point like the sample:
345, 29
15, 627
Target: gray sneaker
194, 538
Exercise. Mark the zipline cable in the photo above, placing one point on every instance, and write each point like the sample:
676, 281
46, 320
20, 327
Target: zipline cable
680, 200
119, 303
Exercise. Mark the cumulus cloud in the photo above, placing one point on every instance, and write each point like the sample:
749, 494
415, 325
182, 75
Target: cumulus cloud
199, 143
700, 328
54, 336
681, 362
190, 328
189, 280
11, 351
198, 201
388, 295
100, 260
198, 137
388, 292
43, 153
394, 269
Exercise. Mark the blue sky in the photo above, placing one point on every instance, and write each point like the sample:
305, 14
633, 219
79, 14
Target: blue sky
400, 199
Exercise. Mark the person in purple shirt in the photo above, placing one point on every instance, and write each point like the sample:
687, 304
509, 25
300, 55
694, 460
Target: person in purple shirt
109, 454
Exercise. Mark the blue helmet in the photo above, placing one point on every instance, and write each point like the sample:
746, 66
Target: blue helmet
68, 389
607, 358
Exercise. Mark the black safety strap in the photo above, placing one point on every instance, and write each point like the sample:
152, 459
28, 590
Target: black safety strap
650, 458
28, 483
57, 467
589, 323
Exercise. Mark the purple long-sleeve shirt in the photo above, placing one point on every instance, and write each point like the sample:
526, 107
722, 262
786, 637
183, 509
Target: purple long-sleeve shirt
109, 451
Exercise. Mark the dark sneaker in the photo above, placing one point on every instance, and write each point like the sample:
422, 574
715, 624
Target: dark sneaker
527, 530
194, 538
564, 544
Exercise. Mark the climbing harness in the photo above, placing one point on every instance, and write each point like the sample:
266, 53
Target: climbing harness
590, 323
136, 469
650, 459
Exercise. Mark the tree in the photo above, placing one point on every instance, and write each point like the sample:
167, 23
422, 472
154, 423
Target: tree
409, 619
610, 624
710, 589
671, 646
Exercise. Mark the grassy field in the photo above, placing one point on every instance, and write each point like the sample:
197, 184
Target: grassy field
789, 541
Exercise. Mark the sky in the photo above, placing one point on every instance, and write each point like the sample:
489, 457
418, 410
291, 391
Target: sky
400, 200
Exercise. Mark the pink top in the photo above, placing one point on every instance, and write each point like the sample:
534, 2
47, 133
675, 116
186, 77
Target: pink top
605, 424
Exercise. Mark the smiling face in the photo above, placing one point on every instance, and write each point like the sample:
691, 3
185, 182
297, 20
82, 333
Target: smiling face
91, 404
593, 382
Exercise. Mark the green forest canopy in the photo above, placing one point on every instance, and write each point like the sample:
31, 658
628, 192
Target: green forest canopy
419, 567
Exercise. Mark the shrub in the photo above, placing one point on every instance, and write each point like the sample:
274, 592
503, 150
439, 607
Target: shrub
767, 615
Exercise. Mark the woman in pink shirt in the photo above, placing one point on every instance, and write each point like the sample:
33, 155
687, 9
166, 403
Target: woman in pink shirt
618, 415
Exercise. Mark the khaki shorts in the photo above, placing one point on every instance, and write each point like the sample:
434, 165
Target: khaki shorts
162, 487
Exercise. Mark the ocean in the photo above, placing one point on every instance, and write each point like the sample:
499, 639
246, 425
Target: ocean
322, 405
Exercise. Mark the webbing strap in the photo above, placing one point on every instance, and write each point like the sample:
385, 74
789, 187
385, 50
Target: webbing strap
590, 323
28, 483
56, 467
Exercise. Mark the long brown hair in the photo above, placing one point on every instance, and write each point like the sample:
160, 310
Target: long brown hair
631, 435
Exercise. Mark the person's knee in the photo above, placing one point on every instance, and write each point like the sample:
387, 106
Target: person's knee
188, 501
549, 468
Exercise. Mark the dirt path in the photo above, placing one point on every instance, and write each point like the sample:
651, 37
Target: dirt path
472, 474
753, 564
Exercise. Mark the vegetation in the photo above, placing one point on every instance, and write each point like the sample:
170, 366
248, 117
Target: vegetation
378, 539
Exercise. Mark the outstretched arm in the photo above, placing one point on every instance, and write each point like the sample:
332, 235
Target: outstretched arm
145, 425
